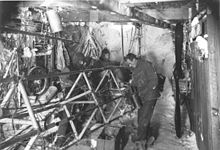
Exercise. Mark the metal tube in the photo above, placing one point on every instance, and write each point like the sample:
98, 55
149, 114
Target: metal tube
28, 105
31, 142
83, 102
75, 97
87, 123
87, 81
101, 81
35, 34
10, 63
30, 133
75, 140
116, 106
93, 95
122, 42
71, 99
139, 40
21, 129
8, 95
100, 109
113, 77
74, 85
16, 121
49, 131
71, 122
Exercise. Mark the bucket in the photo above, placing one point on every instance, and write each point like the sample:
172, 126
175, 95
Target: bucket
54, 20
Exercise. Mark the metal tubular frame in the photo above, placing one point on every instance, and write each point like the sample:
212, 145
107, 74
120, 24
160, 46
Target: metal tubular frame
78, 136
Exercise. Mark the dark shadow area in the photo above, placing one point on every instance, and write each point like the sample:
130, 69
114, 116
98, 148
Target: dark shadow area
154, 129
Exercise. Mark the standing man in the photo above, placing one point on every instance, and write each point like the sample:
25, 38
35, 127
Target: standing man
145, 80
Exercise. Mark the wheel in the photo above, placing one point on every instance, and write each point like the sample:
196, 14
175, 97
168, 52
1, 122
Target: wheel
37, 86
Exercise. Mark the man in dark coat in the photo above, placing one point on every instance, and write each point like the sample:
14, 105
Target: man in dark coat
145, 80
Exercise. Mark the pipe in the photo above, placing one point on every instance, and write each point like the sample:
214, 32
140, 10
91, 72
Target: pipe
74, 85
100, 83
16, 121
71, 122
139, 39
75, 97
122, 42
34, 34
93, 95
9, 65
51, 75
31, 142
8, 95
87, 123
28, 105
116, 106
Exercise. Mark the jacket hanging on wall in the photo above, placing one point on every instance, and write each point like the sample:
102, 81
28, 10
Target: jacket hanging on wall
62, 56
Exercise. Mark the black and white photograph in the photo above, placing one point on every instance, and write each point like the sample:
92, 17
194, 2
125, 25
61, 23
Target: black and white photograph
110, 75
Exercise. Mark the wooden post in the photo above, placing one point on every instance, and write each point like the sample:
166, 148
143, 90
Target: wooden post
213, 29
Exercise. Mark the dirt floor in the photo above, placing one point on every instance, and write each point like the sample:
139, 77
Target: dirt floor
163, 125
163, 129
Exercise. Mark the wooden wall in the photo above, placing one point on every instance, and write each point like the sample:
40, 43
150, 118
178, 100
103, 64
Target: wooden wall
205, 101
201, 123
213, 29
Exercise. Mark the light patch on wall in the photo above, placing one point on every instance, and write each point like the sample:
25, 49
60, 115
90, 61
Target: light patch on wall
157, 44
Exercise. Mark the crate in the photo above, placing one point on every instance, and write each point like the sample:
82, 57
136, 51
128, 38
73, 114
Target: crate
105, 144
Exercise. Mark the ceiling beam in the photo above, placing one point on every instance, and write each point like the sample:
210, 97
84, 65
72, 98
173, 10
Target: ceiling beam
134, 14
164, 5
114, 7
147, 19
92, 16
147, 1
12, 30
169, 14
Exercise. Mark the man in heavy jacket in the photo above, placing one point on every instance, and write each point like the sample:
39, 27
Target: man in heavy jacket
145, 80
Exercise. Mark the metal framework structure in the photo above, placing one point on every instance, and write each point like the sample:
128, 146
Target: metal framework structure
33, 128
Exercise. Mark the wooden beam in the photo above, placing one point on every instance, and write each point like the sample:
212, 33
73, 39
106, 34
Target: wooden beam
164, 5
147, 1
133, 13
92, 16
123, 12
129, 14
34, 34
213, 29
168, 14
147, 19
